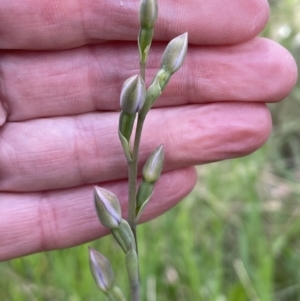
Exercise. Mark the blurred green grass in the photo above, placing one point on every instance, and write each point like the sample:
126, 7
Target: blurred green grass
235, 238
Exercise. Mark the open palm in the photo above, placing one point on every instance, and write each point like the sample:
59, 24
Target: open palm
62, 66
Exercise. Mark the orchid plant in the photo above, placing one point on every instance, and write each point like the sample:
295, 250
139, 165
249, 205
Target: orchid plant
135, 101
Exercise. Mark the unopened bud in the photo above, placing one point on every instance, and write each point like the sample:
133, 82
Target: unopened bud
175, 53
108, 207
153, 167
148, 13
101, 270
133, 94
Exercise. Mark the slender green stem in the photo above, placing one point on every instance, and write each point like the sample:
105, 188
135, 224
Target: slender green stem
133, 167
143, 70
135, 293
132, 178
132, 174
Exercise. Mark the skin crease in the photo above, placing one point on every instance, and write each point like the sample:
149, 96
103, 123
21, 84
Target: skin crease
62, 66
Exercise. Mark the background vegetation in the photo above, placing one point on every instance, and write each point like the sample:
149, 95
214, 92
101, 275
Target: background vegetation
241, 237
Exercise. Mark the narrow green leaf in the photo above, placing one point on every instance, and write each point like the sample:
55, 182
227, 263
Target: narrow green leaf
124, 236
132, 265
144, 194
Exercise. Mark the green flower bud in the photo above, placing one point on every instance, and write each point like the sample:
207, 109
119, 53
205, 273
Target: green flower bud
107, 207
153, 167
148, 13
101, 270
124, 236
133, 94
144, 194
175, 53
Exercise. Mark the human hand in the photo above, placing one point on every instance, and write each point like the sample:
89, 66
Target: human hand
59, 119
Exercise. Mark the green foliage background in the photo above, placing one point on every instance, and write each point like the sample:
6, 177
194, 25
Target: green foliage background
235, 238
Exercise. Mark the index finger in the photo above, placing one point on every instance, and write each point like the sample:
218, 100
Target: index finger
42, 24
